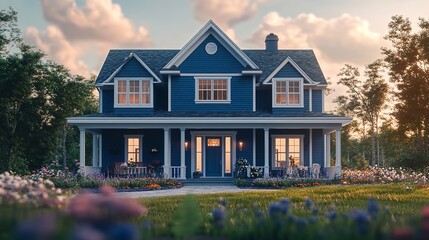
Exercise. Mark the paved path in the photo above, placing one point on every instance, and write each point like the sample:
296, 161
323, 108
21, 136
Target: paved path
186, 190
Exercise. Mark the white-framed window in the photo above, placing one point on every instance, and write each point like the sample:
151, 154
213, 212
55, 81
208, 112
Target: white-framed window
288, 92
133, 146
212, 89
288, 150
133, 92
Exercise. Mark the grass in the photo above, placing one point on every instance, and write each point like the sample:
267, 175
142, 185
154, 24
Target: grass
402, 203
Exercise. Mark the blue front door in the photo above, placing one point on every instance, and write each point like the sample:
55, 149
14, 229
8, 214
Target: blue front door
213, 156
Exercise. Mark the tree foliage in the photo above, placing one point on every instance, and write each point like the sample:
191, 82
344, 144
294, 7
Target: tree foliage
36, 96
408, 62
366, 97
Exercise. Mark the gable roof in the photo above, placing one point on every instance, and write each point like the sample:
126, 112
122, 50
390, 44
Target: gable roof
154, 60
210, 28
268, 62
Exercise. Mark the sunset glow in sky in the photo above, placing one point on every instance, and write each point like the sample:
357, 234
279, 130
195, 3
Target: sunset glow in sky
79, 33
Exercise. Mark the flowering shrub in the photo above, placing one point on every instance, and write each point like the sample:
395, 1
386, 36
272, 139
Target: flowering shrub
241, 168
54, 172
255, 172
285, 182
40, 192
97, 180
383, 175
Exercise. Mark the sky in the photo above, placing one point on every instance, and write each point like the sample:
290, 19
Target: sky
79, 33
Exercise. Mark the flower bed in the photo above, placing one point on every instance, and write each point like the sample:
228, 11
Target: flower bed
276, 183
383, 175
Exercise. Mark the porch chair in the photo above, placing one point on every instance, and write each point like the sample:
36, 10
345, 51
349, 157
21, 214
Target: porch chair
315, 170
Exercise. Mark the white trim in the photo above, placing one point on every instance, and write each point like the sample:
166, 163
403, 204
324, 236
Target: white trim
251, 72
299, 69
310, 99
266, 152
228, 89
82, 148
100, 101
100, 150
211, 74
328, 150
132, 54
167, 152
172, 72
310, 152
204, 135
169, 93
287, 105
324, 150
126, 137
210, 120
254, 93
182, 154
188, 48
287, 136
338, 148
128, 79
254, 147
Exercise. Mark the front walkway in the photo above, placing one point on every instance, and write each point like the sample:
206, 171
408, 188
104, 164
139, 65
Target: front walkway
187, 190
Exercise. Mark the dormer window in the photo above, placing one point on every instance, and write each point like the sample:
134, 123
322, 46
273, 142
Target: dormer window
212, 90
133, 92
288, 92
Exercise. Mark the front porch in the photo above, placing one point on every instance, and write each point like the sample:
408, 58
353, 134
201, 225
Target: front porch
182, 152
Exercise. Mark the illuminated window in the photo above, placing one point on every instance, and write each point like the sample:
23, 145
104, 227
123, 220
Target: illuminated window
213, 142
133, 93
288, 92
227, 154
288, 151
199, 154
133, 146
212, 89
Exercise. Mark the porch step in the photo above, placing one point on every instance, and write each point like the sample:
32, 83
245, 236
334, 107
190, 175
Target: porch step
208, 182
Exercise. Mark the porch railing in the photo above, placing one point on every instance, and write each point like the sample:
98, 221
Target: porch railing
175, 172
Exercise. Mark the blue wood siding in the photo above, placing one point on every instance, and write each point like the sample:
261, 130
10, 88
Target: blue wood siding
318, 147
288, 71
287, 110
264, 99
199, 61
133, 69
245, 135
317, 100
306, 100
183, 96
114, 144
137, 111
108, 100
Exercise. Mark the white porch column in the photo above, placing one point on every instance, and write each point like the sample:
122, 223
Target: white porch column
310, 153
266, 152
82, 149
167, 160
254, 147
95, 150
100, 150
338, 148
328, 150
182, 154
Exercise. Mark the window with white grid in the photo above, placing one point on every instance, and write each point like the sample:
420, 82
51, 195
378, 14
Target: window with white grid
288, 92
212, 90
133, 92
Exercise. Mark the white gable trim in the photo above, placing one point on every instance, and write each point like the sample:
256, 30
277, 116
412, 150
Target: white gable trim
268, 80
157, 80
199, 37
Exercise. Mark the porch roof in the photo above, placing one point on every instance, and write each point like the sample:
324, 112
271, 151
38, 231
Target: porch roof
210, 120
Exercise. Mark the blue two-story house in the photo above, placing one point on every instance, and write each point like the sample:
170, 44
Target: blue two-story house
203, 107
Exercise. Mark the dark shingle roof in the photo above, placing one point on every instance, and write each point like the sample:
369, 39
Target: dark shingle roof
266, 61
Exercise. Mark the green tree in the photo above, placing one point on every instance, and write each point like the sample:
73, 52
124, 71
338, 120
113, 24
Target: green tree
365, 99
408, 62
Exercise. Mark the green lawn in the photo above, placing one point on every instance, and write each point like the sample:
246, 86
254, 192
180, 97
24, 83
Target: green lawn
401, 203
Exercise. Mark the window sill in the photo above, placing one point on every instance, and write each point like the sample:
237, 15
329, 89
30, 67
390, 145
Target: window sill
287, 106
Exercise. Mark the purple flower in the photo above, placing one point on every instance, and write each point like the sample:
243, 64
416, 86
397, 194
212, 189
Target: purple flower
373, 207
223, 202
219, 216
308, 203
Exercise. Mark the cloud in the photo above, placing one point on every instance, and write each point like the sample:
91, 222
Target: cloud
226, 13
93, 28
335, 41
341, 39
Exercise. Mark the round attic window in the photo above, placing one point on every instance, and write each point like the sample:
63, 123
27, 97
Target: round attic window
211, 48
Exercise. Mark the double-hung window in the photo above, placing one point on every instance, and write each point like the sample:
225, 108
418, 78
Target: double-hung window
133, 92
288, 151
214, 90
288, 92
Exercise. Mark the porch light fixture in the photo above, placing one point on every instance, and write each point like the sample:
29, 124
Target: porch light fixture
240, 145
186, 145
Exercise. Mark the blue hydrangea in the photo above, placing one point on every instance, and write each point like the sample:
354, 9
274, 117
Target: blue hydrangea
308, 203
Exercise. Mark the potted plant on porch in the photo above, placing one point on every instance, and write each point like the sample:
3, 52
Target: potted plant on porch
196, 174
